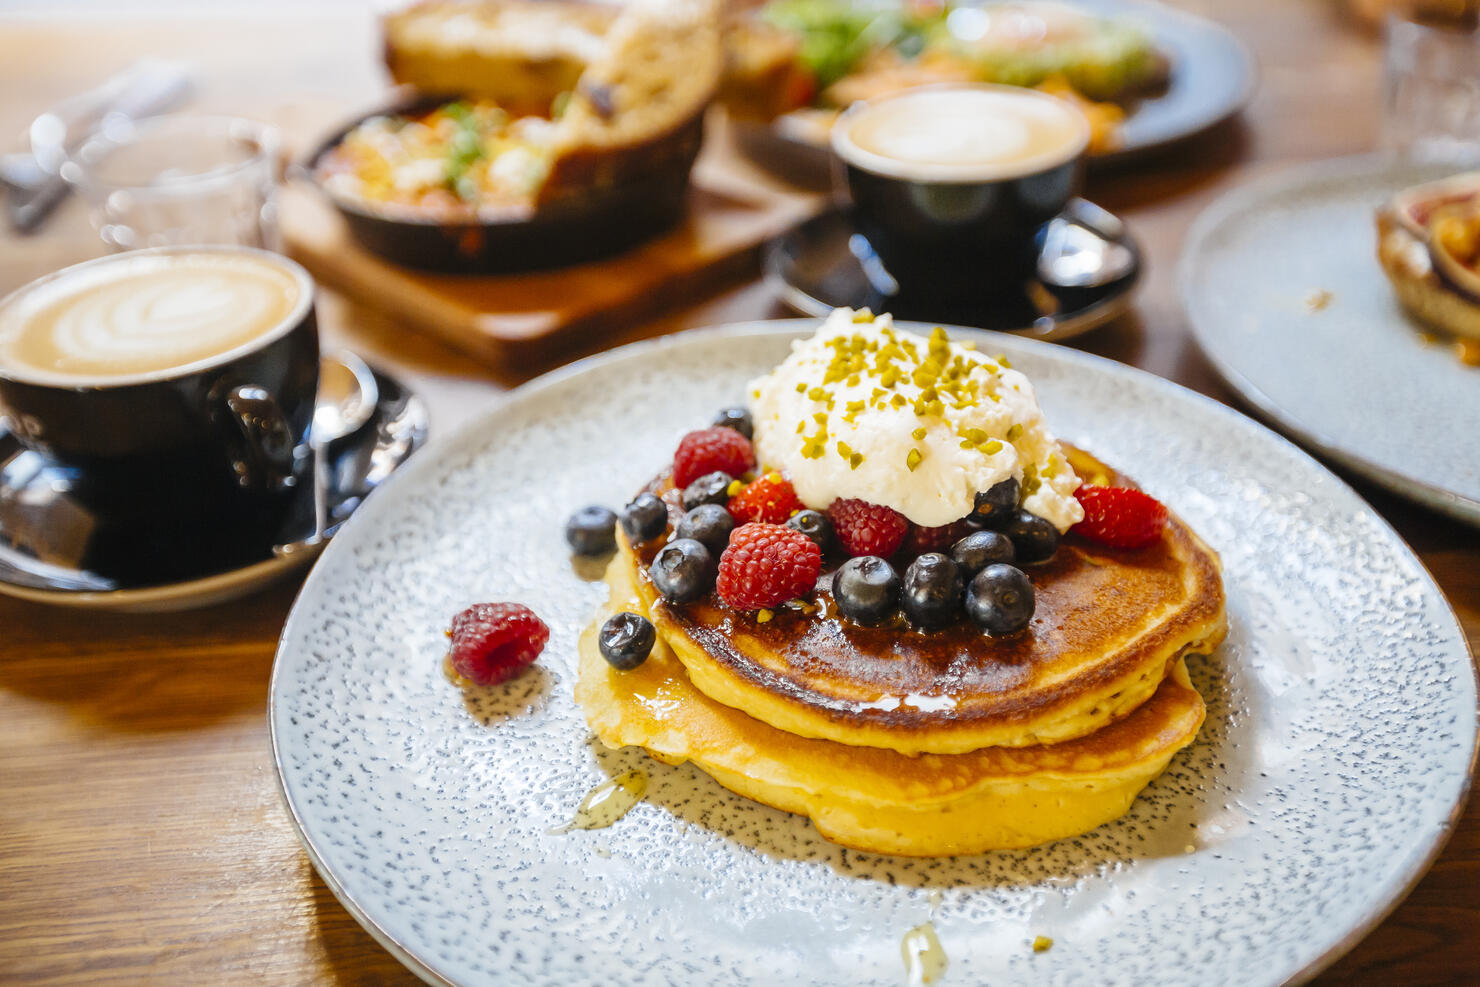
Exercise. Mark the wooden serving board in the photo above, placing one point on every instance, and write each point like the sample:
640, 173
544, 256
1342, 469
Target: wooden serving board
515, 319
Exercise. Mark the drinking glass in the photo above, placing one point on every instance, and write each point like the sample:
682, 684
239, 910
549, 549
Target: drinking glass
1431, 77
180, 179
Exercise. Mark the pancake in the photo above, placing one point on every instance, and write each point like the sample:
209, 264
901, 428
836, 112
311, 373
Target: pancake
1110, 625
880, 800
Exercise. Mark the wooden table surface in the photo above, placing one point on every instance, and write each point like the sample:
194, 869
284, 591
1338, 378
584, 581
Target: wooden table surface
142, 838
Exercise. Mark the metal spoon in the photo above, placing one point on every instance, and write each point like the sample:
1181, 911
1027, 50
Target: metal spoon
31, 180
346, 399
1082, 249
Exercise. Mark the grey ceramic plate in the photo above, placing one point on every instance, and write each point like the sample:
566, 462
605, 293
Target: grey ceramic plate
1338, 744
1354, 379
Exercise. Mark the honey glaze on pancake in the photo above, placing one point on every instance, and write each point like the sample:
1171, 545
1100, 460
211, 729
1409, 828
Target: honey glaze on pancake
875, 799
1108, 625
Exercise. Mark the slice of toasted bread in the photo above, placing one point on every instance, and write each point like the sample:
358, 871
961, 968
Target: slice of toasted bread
1428, 297
763, 73
519, 53
637, 109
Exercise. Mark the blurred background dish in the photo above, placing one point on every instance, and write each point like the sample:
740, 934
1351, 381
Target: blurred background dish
1283, 288
1145, 75
544, 134
493, 228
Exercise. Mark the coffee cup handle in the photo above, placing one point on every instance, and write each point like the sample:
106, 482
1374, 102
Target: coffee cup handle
261, 440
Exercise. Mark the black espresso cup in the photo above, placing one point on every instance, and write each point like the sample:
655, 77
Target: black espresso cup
174, 390
951, 184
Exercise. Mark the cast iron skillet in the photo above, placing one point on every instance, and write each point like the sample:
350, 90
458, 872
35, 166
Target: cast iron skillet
602, 221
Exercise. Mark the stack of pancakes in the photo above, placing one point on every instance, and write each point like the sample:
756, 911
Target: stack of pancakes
929, 744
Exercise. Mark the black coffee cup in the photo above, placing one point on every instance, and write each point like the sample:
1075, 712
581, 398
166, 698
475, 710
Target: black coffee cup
184, 471
955, 227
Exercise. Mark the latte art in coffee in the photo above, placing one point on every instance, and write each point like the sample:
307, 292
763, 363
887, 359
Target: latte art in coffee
961, 134
143, 315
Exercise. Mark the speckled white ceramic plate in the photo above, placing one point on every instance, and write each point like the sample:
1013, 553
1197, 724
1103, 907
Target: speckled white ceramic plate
1339, 739
1354, 379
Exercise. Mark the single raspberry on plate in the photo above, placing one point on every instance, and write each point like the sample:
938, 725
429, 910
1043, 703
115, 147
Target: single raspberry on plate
493, 642
867, 529
920, 540
710, 449
767, 564
770, 498
1119, 516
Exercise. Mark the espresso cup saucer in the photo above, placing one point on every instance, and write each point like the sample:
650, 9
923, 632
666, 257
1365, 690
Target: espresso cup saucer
43, 532
825, 263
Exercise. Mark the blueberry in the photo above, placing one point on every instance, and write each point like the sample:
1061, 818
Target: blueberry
644, 519
711, 488
1000, 599
626, 640
866, 588
995, 506
683, 570
708, 524
1034, 539
931, 591
817, 527
592, 530
738, 419
980, 549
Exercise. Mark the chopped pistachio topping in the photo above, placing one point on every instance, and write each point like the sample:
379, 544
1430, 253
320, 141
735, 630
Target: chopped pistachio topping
944, 378
1031, 483
762, 616
912, 460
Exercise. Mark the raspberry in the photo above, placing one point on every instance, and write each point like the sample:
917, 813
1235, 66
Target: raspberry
493, 642
921, 540
708, 450
867, 529
1120, 516
767, 564
770, 499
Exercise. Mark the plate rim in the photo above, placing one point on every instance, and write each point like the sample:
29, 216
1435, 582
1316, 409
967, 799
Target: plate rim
1229, 206
1248, 88
474, 430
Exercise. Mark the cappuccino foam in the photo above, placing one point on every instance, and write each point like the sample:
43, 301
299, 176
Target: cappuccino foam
961, 134
143, 315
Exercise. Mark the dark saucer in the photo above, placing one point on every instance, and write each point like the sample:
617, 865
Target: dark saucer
825, 264
50, 544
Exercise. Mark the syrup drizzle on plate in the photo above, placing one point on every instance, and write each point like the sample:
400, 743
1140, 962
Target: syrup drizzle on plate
607, 802
924, 960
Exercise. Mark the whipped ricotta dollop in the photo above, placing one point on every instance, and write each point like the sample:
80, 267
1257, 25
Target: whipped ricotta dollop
864, 410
